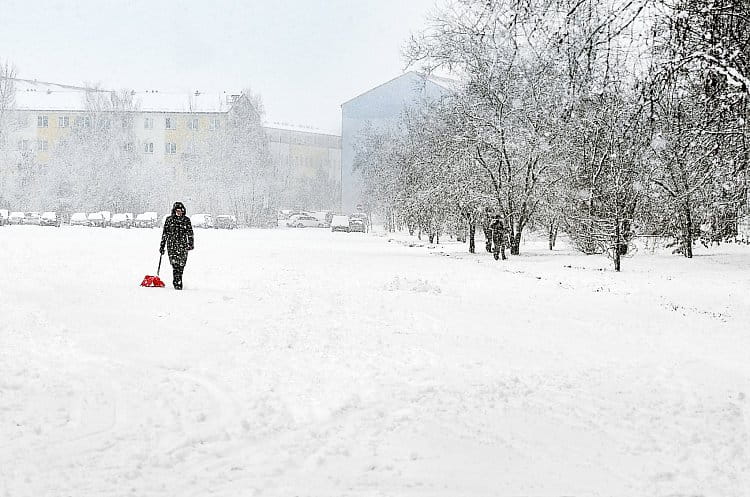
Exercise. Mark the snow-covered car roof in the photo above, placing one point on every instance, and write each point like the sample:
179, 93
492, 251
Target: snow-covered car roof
95, 215
146, 216
49, 215
78, 215
121, 216
16, 214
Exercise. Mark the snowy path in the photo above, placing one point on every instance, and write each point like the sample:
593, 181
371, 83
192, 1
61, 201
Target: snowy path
303, 362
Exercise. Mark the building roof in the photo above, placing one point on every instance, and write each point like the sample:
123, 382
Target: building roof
156, 101
300, 128
44, 96
39, 95
446, 83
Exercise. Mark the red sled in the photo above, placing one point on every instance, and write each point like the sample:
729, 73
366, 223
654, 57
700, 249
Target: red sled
153, 281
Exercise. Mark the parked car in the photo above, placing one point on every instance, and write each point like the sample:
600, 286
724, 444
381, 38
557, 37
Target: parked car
291, 221
340, 223
122, 220
202, 220
307, 222
15, 218
107, 217
4, 216
32, 218
226, 221
146, 220
361, 216
50, 219
79, 219
356, 224
96, 219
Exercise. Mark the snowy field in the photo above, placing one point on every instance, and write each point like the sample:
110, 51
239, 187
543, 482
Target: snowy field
311, 363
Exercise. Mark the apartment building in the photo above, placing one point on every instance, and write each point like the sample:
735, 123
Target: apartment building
165, 127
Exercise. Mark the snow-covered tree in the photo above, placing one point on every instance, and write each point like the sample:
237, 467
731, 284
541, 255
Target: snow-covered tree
700, 85
7, 105
95, 165
509, 103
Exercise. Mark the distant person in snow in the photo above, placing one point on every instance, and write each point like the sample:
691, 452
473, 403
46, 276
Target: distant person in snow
499, 237
486, 222
178, 238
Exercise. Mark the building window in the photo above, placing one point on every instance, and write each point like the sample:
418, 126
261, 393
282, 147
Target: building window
41, 145
170, 148
148, 123
63, 122
170, 123
214, 123
42, 121
193, 123
148, 147
23, 144
127, 122
83, 122
128, 147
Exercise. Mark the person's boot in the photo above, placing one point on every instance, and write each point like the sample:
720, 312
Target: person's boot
496, 256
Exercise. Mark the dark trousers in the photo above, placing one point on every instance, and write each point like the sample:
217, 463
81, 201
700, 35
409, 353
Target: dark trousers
498, 249
178, 261
488, 239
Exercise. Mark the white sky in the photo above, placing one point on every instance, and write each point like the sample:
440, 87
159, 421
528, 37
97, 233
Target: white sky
304, 57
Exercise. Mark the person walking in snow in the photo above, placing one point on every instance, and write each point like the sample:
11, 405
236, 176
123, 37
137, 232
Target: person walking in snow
486, 222
499, 237
178, 238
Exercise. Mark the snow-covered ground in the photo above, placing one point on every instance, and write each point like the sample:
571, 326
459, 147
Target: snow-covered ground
311, 363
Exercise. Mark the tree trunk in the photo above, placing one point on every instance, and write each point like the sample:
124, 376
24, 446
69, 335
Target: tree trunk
552, 235
515, 243
616, 247
472, 233
688, 234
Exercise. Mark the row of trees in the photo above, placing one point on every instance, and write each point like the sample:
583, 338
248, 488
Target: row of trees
597, 118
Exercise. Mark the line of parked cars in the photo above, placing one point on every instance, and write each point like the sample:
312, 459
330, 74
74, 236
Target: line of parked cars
100, 219
35, 218
104, 219
324, 219
222, 221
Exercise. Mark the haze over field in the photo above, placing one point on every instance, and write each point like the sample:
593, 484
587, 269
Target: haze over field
305, 58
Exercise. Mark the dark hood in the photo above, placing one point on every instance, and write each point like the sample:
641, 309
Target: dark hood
179, 205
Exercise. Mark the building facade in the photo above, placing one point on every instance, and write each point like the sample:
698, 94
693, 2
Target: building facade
163, 128
377, 107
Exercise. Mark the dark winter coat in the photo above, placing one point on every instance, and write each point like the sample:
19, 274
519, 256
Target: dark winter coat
499, 233
177, 234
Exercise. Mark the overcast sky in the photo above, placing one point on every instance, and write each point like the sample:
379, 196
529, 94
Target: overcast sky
304, 57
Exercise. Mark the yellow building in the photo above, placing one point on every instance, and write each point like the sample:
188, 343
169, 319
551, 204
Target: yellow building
166, 127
